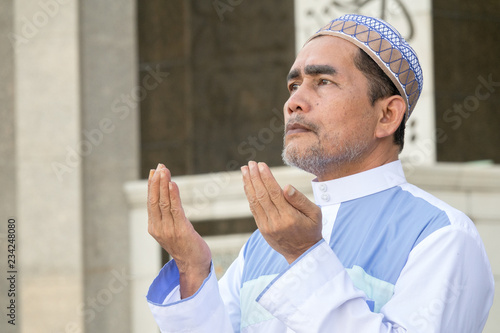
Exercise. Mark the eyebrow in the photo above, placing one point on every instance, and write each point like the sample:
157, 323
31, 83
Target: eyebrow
312, 70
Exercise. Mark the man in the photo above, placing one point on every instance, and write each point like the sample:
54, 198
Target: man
373, 254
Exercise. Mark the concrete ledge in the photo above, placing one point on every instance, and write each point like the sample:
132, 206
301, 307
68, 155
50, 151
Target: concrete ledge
455, 176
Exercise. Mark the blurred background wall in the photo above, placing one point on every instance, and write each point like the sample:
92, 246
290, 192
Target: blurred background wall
467, 77
93, 94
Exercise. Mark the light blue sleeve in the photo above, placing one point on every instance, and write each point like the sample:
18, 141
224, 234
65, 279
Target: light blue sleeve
215, 307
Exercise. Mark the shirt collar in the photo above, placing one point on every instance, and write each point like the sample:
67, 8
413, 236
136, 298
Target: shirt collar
358, 185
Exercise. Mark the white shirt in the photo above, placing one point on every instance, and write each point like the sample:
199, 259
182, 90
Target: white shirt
393, 259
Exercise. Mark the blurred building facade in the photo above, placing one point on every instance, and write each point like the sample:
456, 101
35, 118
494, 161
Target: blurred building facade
94, 94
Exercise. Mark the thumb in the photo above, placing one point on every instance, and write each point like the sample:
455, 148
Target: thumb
302, 203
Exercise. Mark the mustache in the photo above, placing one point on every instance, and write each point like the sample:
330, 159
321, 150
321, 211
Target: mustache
299, 120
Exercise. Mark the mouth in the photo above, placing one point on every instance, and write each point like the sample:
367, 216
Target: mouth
296, 128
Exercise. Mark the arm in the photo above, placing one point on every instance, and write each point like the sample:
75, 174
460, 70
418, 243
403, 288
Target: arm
185, 295
203, 312
169, 226
446, 286
315, 293
213, 308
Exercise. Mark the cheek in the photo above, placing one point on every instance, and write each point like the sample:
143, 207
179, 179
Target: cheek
344, 117
341, 127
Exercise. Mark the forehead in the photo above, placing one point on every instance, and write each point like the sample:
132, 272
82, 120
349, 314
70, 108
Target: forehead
327, 50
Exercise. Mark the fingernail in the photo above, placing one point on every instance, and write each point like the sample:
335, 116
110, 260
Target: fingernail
261, 166
244, 170
290, 191
159, 166
170, 185
162, 174
151, 173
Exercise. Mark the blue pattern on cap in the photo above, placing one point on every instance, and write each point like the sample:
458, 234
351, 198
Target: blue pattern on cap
387, 47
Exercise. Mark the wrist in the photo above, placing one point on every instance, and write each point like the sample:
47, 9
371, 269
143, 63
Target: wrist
191, 279
291, 257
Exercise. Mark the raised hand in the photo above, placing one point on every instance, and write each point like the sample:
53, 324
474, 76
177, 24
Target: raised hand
288, 221
169, 226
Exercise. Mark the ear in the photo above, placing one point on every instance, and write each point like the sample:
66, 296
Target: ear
393, 109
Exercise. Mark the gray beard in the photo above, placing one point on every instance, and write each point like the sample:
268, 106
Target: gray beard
317, 161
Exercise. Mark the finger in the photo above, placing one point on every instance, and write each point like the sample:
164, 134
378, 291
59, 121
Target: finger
178, 215
273, 188
168, 175
154, 213
261, 193
165, 195
255, 207
151, 173
257, 185
300, 202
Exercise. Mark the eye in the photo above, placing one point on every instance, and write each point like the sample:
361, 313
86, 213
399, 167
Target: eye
293, 86
323, 82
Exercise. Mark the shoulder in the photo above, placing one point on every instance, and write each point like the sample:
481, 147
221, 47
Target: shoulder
459, 233
456, 218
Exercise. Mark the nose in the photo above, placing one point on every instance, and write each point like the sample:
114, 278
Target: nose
298, 101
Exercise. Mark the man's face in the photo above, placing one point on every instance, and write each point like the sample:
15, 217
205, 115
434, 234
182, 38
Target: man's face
329, 119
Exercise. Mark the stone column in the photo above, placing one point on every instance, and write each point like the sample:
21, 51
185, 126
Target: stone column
48, 172
76, 144
109, 96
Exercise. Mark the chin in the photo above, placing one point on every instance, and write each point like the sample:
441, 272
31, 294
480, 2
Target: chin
293, 152
293, 149
296, 141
